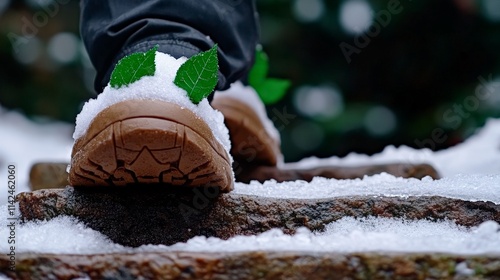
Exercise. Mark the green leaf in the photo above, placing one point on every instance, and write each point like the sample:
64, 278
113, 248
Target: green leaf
259, 70
198, 75
272, 90
133, 67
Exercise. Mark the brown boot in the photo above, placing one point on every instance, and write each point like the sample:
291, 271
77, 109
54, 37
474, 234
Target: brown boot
254, 139
149, 142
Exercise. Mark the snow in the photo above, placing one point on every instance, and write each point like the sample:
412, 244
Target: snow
463, 269
480, 154
158, 87
466, 187
61, 235
470, 172
24, 143
65, 235
359, 235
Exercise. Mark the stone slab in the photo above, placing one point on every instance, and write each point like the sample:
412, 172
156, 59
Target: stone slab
139, 215
253, 265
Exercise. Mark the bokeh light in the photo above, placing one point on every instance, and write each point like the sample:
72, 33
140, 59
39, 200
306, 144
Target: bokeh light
27, 50
64, 47
380, 121
318, 102
355, 16
39, 3
308, 10
491, 10
4, 4
491, 92
307, 135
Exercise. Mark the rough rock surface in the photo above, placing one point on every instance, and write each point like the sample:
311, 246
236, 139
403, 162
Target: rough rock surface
155, 215
134, 216
253, 265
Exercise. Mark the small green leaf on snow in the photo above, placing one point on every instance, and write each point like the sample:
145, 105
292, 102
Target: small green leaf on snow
198, 75
272, 90
133, 67
259, 70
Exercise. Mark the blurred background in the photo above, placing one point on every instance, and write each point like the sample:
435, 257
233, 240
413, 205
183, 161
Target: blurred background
365, 73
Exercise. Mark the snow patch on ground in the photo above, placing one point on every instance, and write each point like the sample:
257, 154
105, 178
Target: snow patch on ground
359, 235
465, 187
61, 235
65, 235
479, 154
24, 142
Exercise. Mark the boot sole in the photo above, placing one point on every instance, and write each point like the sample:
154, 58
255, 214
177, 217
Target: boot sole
149, 142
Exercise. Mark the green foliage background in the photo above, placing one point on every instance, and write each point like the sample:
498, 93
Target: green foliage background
425, 61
